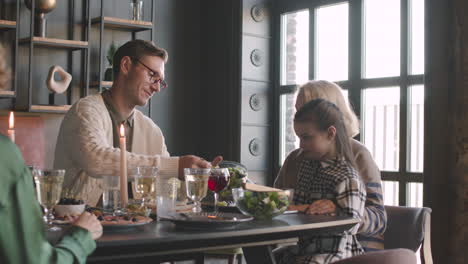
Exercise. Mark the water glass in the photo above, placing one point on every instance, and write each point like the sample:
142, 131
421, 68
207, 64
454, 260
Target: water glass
166, 195
48, 188
111, 193
196, 182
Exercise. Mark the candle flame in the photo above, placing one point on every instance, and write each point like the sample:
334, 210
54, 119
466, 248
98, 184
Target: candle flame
11, 122
122, 130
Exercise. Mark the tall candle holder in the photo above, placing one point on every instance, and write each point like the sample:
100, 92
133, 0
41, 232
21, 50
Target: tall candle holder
41, 7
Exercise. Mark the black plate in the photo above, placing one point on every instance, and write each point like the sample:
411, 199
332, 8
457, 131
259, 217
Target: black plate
230, 208
209, 220
125, 226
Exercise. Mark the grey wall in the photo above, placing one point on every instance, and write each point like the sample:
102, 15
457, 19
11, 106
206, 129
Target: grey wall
177, 109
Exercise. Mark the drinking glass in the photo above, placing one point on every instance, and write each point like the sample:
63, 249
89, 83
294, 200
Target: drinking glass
196, 182
166, 195
111, 193
145, 183
48, 189
218, 180
136, 10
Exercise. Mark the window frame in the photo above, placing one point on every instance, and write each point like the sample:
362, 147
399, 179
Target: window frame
356, 83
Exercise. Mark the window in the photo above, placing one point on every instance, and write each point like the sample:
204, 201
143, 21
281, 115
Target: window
374, 49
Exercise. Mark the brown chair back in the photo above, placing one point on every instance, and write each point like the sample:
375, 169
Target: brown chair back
409, 227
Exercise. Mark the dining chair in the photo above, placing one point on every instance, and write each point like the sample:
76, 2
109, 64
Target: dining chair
388, 256
410, 228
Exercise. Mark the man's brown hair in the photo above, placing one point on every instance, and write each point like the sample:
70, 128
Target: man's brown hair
136, 49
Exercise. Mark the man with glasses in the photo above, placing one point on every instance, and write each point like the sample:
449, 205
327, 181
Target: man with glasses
88, 141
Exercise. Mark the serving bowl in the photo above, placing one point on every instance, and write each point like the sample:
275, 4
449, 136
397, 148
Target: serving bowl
261, 205
63, 210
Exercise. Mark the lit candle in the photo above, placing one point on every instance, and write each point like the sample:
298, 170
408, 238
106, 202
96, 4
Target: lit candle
11, 127
123, 168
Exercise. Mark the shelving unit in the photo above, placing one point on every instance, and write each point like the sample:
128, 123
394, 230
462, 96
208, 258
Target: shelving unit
7, 24
7, 93
69, 44
104, 84
10, 25
50, 108
104, 23
55, 43
123, 24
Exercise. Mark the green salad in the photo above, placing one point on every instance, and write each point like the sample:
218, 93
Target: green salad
235, 181
263, 205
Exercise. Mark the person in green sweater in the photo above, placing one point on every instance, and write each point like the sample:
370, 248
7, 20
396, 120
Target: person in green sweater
22, 233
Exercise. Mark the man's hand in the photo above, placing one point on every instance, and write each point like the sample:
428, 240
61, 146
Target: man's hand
191, 161
216, 161
89, 222
321, 207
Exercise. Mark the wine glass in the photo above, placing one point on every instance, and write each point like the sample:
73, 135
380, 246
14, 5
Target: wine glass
48, 189
218, 180
145, 183
196, 181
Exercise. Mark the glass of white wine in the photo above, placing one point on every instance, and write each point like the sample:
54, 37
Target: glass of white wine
196, 181
145, 183
48, 189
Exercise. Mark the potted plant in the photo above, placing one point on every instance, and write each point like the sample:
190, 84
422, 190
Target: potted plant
108, 75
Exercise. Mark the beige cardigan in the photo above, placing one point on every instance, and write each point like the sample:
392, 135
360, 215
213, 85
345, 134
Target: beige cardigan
375, 218
85, 148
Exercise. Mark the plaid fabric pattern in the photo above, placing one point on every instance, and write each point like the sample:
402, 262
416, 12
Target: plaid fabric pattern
338, 181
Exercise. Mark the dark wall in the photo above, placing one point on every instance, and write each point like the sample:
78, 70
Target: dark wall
177, 110
220, 52
446, 154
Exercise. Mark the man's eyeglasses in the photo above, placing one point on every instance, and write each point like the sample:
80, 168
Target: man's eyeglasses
152, 75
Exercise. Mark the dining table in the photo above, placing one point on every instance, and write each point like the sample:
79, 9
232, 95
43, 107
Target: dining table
162, 241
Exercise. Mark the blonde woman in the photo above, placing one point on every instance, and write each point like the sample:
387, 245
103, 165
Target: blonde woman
374, 218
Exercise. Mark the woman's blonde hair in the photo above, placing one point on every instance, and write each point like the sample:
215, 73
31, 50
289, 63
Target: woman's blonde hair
4, 69
332, 92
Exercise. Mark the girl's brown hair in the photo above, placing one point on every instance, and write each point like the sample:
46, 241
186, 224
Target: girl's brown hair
325, 114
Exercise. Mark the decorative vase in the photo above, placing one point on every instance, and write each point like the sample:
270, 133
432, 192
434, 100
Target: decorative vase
61, 85
41, 7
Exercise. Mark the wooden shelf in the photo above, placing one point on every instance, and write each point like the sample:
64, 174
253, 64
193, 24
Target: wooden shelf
123, 24
56, 43
103, 84
50, 108
7, 24
7, 93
